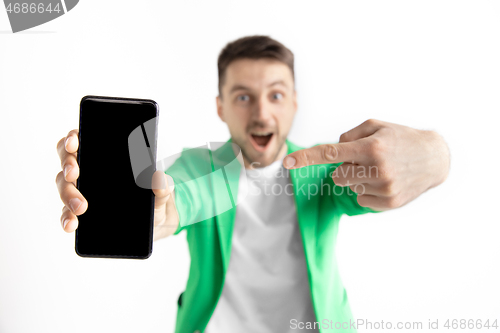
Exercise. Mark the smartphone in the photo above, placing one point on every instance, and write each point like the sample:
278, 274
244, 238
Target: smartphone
117, 158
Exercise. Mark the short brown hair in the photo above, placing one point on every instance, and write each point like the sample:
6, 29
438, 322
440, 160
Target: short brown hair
252, 47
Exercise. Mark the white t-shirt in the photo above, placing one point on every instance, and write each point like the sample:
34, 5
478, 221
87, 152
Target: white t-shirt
266, 284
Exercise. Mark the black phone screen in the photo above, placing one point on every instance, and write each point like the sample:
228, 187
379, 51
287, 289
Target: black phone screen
119, 220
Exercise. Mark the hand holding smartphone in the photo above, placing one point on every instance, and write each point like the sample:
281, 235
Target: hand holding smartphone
105, 184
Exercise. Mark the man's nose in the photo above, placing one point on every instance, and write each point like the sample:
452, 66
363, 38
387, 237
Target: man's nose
262, 110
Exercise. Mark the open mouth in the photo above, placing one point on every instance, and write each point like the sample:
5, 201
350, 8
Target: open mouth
260, 140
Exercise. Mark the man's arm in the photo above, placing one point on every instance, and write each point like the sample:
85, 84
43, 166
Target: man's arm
388, 165
204, 183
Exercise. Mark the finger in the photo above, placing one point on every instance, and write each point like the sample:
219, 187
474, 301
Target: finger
348, 173
378, 202
70, 196
68, 144
67, 148
367, 128
327, 153
160, 189
165, 210
382, 189
71, 143
69, 221
61, 149
70, 167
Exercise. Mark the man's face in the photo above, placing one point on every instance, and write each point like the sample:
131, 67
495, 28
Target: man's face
258, 104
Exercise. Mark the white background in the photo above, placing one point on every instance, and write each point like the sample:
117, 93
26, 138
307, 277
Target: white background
426, 64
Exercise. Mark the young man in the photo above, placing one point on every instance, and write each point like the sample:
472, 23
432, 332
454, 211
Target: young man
264, 261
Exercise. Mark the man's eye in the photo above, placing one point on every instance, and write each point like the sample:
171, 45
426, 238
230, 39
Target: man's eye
243, 98
277, 96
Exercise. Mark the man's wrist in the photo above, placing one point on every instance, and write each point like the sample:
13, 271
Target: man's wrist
441, 164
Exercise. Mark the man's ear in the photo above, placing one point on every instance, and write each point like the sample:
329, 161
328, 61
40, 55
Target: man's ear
218, 100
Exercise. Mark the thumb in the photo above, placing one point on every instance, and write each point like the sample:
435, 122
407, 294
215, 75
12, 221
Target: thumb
162, 186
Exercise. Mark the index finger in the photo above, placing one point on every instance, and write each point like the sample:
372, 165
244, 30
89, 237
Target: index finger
68, 144
325, 154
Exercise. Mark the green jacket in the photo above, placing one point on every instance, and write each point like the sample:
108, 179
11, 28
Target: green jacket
207, 213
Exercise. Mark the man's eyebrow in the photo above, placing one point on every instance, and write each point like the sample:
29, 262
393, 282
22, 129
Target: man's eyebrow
278, 82
238, 87
242, 87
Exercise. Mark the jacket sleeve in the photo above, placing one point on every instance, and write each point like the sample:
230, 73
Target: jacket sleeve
193, 198
203, 181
